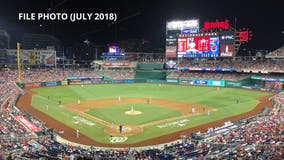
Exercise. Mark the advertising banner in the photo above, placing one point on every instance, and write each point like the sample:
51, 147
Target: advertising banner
64, 83
267, 79
185, 81
84, 80
76, 82
171, 51
54, 83
33, 57
191, 26
48, 57
233, 84
216, 83
31, 85
227, 37
216, 25
227, 50
128, 80
27, 124
171, 40
96, 81
116, 64
72, 77
87, 82
172, 80
200, 82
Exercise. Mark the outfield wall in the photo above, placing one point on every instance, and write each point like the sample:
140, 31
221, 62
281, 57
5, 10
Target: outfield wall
247, 83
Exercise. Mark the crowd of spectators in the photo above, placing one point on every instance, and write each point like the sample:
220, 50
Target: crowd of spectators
42, 75
117, 74
278, 53
254, 65
8, 87
279, 98
208, 75
13, 136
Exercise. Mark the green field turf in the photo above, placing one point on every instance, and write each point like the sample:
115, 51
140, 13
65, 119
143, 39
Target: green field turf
150, 113
223, 100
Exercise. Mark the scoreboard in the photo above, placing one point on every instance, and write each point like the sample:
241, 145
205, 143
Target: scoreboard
198, 46
184, 39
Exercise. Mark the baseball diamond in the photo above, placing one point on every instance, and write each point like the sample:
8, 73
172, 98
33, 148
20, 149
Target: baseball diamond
100, 105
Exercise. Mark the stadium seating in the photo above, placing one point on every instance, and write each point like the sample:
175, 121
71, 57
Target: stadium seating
259, 137
278, 53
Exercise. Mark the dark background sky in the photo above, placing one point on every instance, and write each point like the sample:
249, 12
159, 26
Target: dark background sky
147, 19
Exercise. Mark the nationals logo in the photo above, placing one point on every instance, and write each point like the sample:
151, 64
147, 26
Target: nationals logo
117, 139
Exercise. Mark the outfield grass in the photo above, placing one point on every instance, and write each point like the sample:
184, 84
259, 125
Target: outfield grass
150, 113
223, 100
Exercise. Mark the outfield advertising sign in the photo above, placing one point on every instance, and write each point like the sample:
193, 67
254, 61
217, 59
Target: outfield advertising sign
75, 81
172, 80
233, 84
64, 83
267, 79
184, 81
84, 79
202, 82
128, 80
31, 85
216, 83
54, 83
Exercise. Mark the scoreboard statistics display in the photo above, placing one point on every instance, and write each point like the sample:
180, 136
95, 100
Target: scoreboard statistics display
198, 46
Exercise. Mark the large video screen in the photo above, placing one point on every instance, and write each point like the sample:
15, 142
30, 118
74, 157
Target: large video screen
201, 46
187, 26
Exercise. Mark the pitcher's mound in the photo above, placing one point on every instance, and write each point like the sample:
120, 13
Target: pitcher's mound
133, 112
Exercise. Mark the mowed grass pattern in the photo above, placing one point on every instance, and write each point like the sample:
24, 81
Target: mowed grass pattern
223, 100
150, 113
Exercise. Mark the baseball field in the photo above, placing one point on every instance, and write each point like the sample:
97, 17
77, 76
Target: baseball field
128, 114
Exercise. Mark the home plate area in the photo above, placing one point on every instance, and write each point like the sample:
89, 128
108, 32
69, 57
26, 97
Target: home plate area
126, 130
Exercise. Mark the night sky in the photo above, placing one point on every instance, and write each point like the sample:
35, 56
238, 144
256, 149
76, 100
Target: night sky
145, 19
